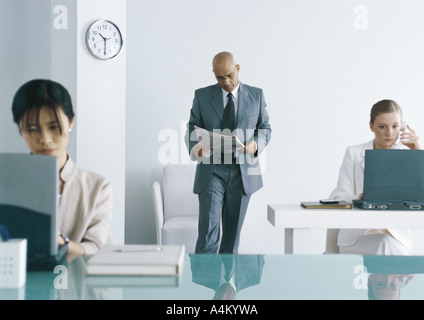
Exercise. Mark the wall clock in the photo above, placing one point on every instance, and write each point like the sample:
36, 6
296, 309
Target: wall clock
103, 39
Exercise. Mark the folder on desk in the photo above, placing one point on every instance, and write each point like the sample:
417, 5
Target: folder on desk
319, 205
146, 260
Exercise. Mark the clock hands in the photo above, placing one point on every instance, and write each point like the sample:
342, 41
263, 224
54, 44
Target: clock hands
104, 40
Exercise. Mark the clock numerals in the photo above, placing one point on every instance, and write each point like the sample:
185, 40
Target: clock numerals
103, 39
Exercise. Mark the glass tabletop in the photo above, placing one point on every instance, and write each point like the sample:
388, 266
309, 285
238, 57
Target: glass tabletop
240, 277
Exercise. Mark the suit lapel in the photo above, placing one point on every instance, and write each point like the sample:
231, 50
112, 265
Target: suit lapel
244, 102
216, 101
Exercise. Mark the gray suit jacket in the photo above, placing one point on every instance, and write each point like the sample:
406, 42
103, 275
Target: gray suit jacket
252, 124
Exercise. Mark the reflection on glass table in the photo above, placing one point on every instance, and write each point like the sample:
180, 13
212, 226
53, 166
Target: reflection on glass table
388, 276
226, 274
240, 277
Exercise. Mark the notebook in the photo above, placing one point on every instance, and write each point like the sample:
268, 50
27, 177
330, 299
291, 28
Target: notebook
29, 206
137, 260
318, 205
393, 180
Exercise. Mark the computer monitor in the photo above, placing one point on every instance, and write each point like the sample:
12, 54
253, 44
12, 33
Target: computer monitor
29, 205
394, 175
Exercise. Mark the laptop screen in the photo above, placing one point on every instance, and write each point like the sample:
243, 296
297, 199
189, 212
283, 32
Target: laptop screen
29, 200
394, 175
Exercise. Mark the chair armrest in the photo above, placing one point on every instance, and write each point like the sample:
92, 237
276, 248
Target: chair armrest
158, 207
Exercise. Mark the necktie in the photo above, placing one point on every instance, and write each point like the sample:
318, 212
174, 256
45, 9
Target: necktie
229, 118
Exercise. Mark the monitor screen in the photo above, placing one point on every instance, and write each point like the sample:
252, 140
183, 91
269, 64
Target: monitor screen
393, 174
29, 200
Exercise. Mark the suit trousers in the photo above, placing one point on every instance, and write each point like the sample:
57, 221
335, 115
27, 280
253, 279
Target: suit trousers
222, 198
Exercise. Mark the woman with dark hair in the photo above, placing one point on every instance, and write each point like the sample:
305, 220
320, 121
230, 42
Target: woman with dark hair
43, 111
386, 124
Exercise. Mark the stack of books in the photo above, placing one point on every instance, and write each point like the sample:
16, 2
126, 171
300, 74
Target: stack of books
137, 260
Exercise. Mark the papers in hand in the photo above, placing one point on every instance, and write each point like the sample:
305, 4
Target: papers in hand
218, 142
151, 260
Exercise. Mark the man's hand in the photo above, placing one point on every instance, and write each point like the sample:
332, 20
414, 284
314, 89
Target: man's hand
200, 151
250, 147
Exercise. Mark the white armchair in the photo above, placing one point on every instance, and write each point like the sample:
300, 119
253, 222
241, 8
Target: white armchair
177, 208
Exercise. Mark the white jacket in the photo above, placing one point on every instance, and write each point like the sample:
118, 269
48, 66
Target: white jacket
351, 184
85, 209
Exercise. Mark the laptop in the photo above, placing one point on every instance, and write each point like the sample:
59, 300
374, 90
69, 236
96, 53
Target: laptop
29, 206
393, 180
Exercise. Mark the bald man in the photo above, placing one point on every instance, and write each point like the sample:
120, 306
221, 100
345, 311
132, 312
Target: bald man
224, 182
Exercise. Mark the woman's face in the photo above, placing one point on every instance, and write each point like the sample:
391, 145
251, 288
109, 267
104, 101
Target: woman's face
385, 286
48, 139
386, 128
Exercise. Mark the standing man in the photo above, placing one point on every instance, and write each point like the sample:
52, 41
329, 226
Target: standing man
224, 183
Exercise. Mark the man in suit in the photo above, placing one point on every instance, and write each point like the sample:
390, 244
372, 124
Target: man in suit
224, 182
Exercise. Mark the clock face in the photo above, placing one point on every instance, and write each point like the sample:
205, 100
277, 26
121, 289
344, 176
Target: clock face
103, 39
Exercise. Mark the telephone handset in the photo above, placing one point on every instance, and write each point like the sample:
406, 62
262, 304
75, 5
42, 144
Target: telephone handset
403, 127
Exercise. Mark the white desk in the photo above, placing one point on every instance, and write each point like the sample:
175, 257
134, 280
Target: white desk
297, 221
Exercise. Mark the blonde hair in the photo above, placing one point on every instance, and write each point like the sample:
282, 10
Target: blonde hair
384, 106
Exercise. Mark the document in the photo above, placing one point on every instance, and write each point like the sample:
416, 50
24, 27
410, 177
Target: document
218, 142
147, 260
319, 205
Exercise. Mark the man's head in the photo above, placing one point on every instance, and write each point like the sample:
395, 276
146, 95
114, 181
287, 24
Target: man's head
226, 70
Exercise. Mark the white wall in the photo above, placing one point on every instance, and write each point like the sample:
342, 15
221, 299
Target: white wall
320, 75
101, 99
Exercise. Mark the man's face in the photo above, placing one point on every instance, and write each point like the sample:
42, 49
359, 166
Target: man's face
227, 74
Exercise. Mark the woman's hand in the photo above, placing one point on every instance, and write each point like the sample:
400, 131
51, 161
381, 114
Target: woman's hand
74, 248
410, 139
60, 240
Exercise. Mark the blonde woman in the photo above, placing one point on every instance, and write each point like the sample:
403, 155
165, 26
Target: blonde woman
386, 124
